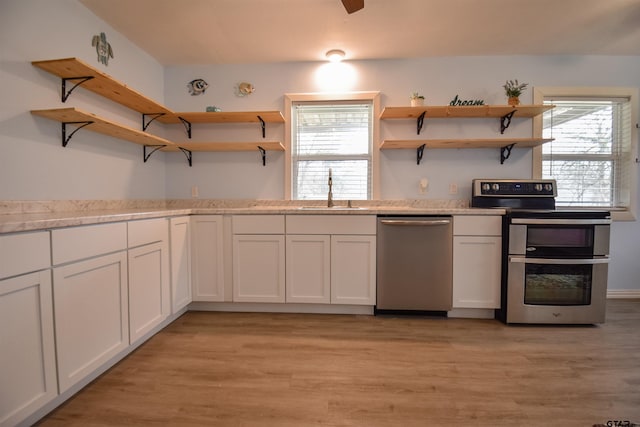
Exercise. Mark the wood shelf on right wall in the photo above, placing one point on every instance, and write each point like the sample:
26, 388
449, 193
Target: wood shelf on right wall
397, 144
503, 112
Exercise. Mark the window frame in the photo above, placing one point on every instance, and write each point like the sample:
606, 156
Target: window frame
291, 98
540, 93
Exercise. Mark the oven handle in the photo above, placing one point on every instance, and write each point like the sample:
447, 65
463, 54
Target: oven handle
564, 261
537, 221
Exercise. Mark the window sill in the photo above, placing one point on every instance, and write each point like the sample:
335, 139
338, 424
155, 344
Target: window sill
625, 215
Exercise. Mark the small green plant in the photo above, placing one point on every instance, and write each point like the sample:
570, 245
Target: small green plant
416, 95
513, 89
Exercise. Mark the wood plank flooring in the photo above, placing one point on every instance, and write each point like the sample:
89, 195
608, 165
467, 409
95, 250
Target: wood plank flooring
256, 369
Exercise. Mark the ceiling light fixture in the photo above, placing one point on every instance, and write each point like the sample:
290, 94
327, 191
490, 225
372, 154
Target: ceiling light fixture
335, 55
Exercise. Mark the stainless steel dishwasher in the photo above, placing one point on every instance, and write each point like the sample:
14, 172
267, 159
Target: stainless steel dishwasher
414, 258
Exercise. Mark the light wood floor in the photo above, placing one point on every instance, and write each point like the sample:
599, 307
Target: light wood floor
232, 369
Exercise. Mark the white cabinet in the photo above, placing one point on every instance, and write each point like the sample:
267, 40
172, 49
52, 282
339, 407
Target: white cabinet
22, 253
149, 281
207, 258
27, 349
353, 270
91, 315
331, 258
90, 298
180, 238
75, 243
477, 257
258, 258
308, 268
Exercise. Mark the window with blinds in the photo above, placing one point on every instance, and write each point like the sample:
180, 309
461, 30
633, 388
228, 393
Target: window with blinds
590, 157
336, 136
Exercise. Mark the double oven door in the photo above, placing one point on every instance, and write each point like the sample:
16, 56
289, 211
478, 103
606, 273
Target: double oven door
556, 270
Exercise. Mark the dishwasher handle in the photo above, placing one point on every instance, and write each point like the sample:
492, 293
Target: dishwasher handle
415, 222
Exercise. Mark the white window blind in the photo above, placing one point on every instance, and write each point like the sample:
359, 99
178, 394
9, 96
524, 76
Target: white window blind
590, 157
336, 136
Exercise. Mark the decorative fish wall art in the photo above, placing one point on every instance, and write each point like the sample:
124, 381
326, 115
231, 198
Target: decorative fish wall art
244, 89
197, 87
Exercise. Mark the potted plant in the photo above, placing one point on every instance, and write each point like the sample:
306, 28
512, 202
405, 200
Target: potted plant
513, 89
417, 100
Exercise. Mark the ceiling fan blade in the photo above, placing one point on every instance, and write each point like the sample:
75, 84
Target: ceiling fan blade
353, 5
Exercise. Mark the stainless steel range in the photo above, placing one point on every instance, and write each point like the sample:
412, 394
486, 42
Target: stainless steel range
555, 262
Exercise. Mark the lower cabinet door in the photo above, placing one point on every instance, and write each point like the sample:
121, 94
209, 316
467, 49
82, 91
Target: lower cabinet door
353, 270
207, 258
91, 315
180, 237
149, 293
258, 268
308, 269
27, 352
476, 271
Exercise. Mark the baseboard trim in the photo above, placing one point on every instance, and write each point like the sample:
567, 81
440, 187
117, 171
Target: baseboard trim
281, 308
623, 294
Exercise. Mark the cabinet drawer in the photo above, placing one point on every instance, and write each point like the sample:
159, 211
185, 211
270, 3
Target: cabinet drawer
331, 224
69, 244
24, 253
147, 231
258, 224
477, 225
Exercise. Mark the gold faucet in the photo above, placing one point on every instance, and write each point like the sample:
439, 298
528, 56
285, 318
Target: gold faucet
330, 195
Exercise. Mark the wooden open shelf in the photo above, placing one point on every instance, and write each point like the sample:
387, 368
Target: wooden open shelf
504, 144
102, 84
76, 117
224, 117
76, 72
502, 112
397, 144
463, 111
80, 119
227, 146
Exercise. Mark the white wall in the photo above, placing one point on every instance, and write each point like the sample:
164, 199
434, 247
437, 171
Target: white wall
33, 164
440, 79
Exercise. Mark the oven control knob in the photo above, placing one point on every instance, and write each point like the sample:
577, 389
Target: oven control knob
486, 187
495, 187
548, 187
537, 187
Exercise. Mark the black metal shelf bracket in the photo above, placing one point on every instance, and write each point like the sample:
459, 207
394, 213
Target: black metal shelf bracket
154, 116
187, 126
155, 148
188, 154
421, 121
65, 138
420, 152
262, 125
263, 153
505, 121
505, 152
64, 94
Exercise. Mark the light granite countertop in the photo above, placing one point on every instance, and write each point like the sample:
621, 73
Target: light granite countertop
18, 216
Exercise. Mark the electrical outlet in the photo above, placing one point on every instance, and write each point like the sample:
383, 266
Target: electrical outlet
453, 188
194, 191
422, 187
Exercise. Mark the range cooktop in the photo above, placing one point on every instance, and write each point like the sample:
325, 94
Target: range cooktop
515, 194
526, 198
